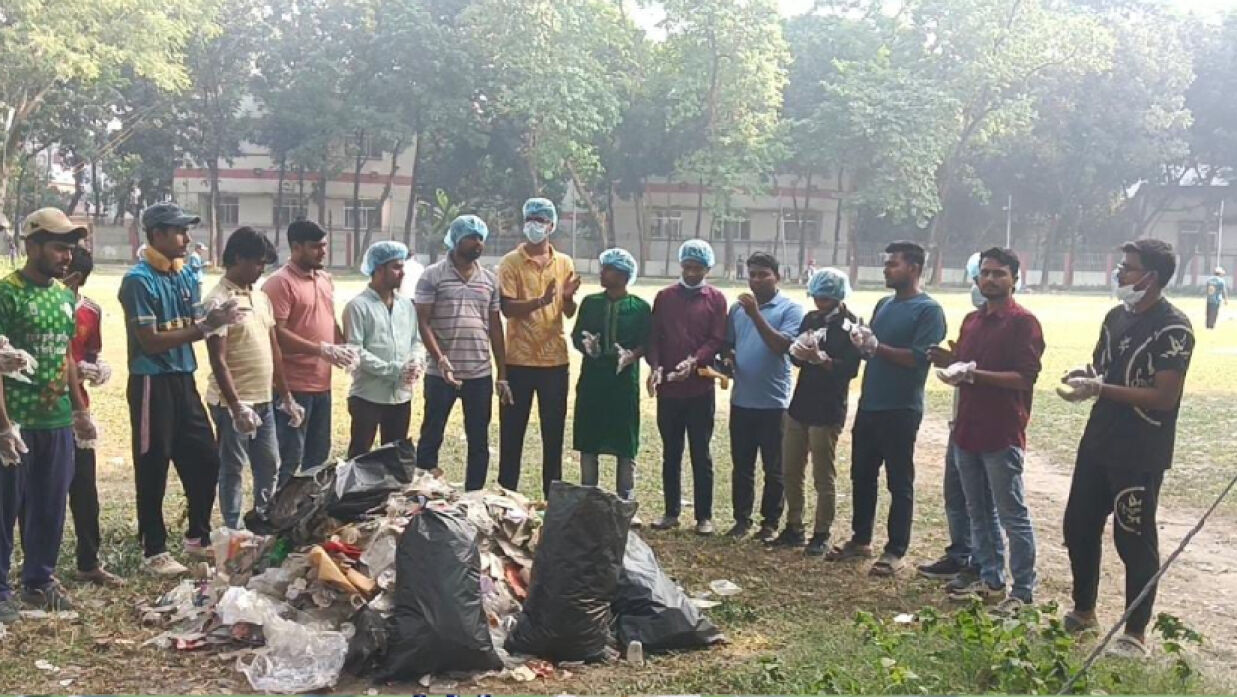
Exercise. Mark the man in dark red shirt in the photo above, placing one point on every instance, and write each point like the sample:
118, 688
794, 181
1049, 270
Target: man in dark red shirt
689, 329
995, 364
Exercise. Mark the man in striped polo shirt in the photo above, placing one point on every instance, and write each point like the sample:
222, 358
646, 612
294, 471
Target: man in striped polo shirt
458, 312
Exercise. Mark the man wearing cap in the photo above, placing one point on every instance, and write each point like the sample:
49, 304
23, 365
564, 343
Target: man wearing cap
42, 410
689, 330
302, 297
381, 325
538, 287
458, 312
163, 318
1217, 292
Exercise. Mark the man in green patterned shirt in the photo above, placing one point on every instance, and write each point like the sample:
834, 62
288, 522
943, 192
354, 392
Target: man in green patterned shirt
41, 409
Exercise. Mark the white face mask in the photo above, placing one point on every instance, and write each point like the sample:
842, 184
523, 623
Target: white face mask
833, 312
536, 232
1127, 294
683, 282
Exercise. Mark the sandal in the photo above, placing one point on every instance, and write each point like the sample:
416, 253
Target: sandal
850, 550
1128, 646
887, 565
1077, 624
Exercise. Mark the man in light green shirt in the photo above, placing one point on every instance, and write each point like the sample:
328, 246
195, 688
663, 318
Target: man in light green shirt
382, 325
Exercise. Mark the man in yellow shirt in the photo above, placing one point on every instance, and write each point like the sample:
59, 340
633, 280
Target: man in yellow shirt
537, 287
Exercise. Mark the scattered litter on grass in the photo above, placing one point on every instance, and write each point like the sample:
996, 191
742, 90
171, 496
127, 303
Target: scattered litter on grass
724, 587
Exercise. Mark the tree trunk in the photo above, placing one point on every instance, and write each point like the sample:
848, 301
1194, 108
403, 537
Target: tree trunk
1069, 260
79, 184
1050, 239
598, 217
807, 209
410, 215
852, 250
216, 227
322, 179
97, 191
837, 221
358, 163
611, 233
700, 211
283, 168
386, 188
642, 227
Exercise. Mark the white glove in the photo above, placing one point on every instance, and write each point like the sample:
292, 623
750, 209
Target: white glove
12, 447
220, 318
683, 370
864, 339
85, 431
340, 355
655, 379
592, 344
294, 410
625, 358
16, 363
804, 347
245, 420
957, 373
412, 371
96, 374
505, 396
448, 372
1080, 385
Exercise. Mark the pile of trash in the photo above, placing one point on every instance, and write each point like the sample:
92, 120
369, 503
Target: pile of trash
389, 572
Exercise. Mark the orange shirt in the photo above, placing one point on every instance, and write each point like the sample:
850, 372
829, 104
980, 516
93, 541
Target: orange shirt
305, 303
535, 340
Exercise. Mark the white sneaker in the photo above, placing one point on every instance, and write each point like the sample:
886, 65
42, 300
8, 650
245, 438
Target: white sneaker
197, 550
636, 523
704, 527
164, 565
666, 522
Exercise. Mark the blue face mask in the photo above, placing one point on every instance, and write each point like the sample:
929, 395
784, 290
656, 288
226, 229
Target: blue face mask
536, 232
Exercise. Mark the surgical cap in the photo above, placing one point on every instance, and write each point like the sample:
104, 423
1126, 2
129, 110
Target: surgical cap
697, 250
466, 226
622, 260
829, 283
380, 253
972, 267
540, 208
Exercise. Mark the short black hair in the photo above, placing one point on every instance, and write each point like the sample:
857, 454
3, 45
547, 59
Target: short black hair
912, 252
765, 260
82, 263
305, 231
1155, 255
247, 243
1004, 257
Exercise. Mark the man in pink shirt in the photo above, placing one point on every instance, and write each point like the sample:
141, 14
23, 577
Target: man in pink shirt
303, 301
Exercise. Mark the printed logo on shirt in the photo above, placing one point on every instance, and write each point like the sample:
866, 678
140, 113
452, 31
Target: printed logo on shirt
1128, 509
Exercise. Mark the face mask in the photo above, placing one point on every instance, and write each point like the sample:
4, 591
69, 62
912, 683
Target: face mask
687, 285
536, 232
1128, 295
977, 298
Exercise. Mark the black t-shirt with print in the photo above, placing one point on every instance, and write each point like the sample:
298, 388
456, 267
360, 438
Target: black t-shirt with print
1131, 350
820, 397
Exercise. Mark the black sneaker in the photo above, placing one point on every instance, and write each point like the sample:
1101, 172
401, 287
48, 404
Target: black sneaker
740, 530
818, 546
966, 578
766, 534
50, 598
944, 569
790, 537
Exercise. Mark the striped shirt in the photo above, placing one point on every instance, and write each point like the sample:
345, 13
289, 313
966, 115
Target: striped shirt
461, 316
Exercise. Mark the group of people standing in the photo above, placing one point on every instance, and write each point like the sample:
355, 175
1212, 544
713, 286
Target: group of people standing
272, 352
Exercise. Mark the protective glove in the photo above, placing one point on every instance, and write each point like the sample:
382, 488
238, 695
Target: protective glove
1081, 385
294, 410
625, 358
220, 318
448, 372
340, 355
16, 363
12, 447
655, 379
804, 347
104, 374
683, 370
505, 396
864, 339
245, 420
85, 431
1080, 371
412, 371
957, 373
592, 344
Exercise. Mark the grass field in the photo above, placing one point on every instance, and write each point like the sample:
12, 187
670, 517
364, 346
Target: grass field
791, 628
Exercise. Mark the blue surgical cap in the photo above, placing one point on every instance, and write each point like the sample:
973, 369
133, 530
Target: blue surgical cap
540, 208
380, 253
466, 226
829, 283
972, 267
697, 250
622, 260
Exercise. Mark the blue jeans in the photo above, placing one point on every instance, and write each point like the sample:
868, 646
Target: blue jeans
996, 500
261, 453
306, 447
959, 520
34, 493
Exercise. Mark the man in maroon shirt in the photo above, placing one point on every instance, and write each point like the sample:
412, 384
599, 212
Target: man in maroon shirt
995, 364
689, 329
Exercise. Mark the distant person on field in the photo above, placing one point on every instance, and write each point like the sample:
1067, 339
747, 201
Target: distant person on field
10, 240
1217, 292
1136, 375
197, 263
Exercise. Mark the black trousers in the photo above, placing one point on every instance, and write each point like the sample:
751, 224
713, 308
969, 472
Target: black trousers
1132, 497
477, 395
550, 386
170, 424
1213, 313
884, 438
752, 431
84, 504
692, 417
368, 418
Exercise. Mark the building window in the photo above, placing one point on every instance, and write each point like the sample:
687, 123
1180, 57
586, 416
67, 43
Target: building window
737, 229
794, 228
229, 210
371, 215
370, 148
667, 224
291, 210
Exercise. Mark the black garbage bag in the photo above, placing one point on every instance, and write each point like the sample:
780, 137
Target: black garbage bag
365, 481
652, 609
368, 647
439, 623
575, 575
299, 507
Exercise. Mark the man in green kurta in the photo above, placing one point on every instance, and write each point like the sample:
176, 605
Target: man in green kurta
612, 329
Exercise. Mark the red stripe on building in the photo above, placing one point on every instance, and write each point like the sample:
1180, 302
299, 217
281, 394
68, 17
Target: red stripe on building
685, 188
273, 175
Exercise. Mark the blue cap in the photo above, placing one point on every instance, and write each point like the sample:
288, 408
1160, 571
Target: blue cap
972, 267
380, 253
167, 214
697, 250
829, 283
465, 226
540, 208
622, 260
